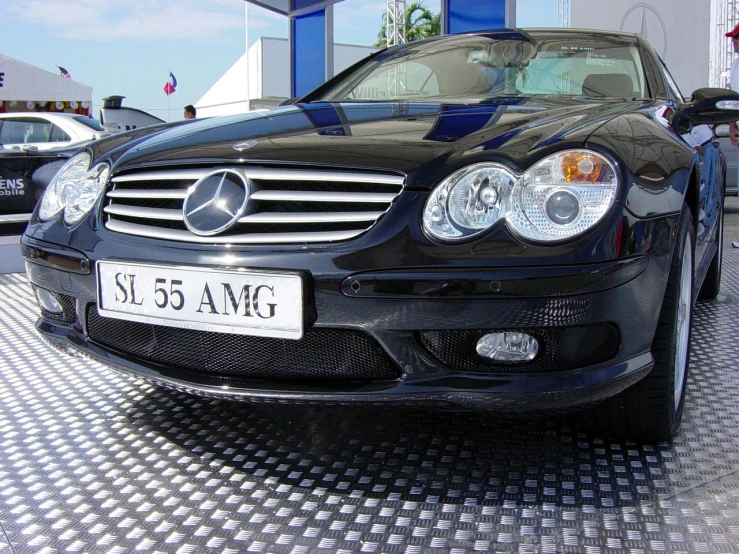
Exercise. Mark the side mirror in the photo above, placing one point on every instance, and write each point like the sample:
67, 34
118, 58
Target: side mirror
707, 106
721, 131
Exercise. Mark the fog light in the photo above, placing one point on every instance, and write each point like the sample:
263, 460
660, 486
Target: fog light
48, 301
508, 347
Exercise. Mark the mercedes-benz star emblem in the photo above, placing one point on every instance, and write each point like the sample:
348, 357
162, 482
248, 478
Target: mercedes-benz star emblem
644, 19
216, 201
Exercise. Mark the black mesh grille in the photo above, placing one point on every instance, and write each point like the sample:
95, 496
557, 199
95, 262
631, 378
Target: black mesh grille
67, 302
336, 354
559, 348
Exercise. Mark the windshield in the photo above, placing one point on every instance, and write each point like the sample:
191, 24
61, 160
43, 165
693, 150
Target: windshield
91, 122
485, 66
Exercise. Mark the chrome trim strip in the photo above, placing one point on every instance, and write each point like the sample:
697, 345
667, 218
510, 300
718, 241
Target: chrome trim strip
14, 218
256, 238
267, 175
321, 217
148, 213
315, 196
174, 175
156, 194
260, 174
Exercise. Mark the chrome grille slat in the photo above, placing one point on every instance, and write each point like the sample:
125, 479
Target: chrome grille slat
146, 213
321, 217
261, 174
305, 196
152, 194
177, 175
285, 205
253, 238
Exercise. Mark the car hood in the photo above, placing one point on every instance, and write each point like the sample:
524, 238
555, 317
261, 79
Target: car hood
392, 136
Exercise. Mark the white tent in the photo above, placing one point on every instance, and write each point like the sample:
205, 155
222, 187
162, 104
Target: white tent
24, 87
268, 77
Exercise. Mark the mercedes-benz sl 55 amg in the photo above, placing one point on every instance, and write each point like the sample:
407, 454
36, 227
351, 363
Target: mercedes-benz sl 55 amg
508, 221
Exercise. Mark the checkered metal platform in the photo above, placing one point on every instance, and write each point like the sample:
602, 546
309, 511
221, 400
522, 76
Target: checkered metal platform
92, 461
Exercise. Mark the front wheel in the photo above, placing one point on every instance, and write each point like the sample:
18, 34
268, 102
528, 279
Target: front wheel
651, 410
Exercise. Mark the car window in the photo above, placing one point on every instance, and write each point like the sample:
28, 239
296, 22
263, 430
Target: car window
58, 135
485, 66
25, 130
671, 84
575, 69
91, 122
411, 78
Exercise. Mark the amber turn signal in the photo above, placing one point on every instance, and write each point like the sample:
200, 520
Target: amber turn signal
578, 168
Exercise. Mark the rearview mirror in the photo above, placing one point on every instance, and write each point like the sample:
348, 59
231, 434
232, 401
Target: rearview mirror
706, 106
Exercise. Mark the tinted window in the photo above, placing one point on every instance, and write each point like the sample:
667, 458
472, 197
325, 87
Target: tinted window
574, 69
25, 130
91, 122
492, 65
58, 135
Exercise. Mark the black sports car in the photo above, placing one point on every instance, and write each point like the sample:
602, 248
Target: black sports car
507, 220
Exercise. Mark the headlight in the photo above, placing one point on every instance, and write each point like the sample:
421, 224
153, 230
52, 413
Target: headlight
468, 202
558, 198
74, 189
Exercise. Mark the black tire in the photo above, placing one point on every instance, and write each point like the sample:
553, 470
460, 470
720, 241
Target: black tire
712, 283
651, 410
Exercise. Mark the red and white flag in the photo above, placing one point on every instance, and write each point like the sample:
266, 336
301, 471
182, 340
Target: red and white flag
171, 85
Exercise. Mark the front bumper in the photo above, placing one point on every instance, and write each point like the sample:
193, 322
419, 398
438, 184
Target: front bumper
625, 294
503, 394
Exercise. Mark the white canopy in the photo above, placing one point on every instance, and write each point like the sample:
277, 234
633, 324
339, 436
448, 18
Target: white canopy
267, 76
22, 82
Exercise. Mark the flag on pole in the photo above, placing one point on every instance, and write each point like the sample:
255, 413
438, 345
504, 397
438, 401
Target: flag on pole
63, 72
171, 85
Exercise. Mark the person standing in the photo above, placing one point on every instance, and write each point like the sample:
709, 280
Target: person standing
189, 112
734, 85
734, 82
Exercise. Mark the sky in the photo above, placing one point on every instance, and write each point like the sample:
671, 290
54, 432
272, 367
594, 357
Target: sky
129, 47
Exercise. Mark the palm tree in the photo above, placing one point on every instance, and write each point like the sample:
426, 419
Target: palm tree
420, 23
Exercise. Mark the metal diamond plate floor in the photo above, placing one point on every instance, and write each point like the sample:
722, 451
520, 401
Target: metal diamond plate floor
91, 461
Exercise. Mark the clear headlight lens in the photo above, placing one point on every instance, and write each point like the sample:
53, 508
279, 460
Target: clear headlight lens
468, 202
560, 197
564, 195
63, 185
88, 192
74, 189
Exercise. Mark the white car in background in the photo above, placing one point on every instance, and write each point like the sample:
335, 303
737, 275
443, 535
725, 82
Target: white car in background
44, 131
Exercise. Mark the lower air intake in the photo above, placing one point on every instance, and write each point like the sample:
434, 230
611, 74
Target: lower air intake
322, 354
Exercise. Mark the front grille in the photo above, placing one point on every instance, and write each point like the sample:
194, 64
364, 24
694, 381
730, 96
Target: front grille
285, 206
322, 354
560, 349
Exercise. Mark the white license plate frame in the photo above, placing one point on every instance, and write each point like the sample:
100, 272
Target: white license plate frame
175, 296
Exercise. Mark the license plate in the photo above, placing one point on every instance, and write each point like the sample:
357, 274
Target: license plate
223, 301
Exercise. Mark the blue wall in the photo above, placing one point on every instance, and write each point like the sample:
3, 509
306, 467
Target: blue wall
475, 15
308, 51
